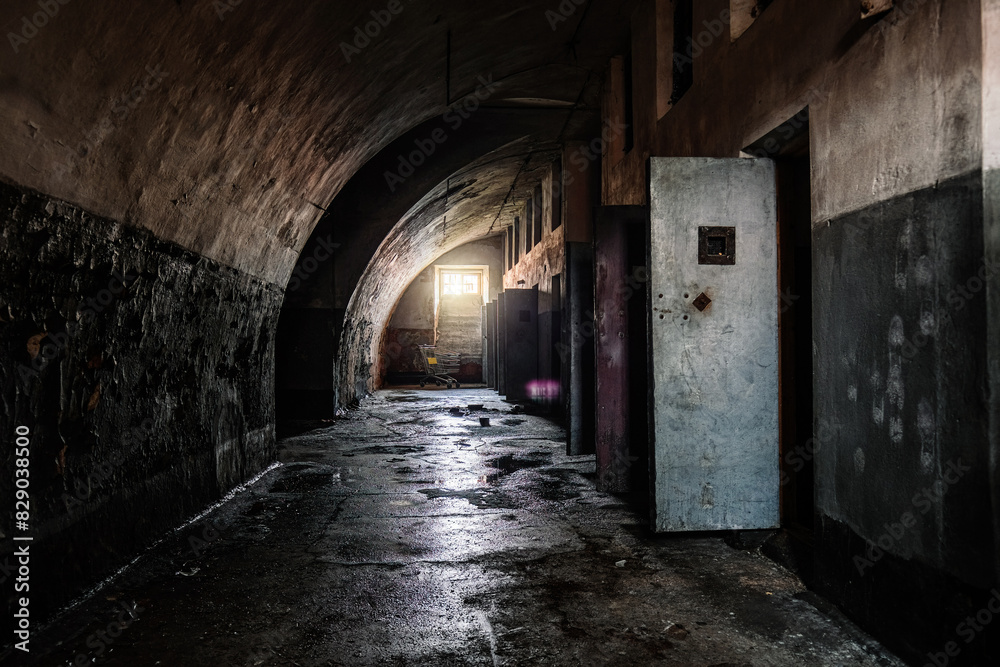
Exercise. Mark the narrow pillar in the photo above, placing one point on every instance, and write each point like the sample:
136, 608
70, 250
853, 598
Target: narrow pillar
611, 347
580, 348
501, 345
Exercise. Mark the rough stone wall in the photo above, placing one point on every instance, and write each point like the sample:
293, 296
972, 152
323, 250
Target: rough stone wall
144, 373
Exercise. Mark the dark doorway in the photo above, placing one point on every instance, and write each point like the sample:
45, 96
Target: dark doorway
788, 146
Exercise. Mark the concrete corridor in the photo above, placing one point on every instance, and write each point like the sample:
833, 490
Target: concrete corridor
406, 534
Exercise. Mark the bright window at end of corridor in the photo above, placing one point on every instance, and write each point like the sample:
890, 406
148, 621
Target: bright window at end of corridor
462, 283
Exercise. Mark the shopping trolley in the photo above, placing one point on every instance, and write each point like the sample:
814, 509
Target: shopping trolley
439, 366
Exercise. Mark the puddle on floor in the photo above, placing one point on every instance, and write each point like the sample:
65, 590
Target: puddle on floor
481, 498
404, 398
510, 463
302, 482
391, 449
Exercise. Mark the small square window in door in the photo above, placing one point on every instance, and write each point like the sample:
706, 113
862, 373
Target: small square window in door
717, 245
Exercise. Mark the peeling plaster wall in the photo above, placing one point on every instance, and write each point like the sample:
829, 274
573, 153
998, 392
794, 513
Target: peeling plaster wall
144, 374
547, 259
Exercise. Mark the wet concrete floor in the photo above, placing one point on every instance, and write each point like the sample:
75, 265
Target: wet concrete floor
406, 534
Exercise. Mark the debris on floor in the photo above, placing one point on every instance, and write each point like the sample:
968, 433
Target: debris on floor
401, 536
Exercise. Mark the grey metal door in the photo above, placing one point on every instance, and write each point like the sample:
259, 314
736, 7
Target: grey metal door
713, 344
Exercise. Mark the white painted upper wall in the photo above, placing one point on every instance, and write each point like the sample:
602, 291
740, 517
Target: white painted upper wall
991, 84
902, 111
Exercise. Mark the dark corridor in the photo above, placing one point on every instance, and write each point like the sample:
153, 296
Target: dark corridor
407, 534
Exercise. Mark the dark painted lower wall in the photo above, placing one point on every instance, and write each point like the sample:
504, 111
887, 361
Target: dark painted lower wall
905, 525
991, 234
145, 376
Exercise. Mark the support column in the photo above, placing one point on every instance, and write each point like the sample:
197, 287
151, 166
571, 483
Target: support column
580, 188
611, 292
501, 345
580, 307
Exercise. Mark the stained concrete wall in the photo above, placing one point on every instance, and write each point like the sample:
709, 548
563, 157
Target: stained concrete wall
899, 129
143, 373
836, 64
903, 460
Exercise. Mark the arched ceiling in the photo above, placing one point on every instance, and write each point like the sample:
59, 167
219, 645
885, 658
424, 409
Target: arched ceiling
252, 119
365, 212
470, 186
470, 204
